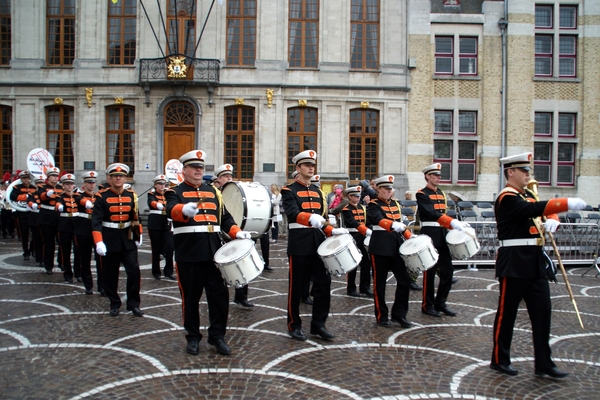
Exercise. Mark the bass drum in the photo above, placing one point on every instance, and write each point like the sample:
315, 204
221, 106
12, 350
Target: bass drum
15, 205
249, 203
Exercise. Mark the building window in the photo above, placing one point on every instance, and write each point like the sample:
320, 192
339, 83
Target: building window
6, 148
5, 32
122, 18
555, 148
304, 33
60, 37
241, 32
445, 59
364, 133
302, 133
239, 141
364, 34
181, 22
455, 145
60, 123
120, 136
555, 41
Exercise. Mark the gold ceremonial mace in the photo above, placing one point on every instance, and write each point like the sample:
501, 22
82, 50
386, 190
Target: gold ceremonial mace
533, 186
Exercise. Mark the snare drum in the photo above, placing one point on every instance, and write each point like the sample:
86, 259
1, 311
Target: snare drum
249, 203
419, 253
339, 254
462, 244
239, 262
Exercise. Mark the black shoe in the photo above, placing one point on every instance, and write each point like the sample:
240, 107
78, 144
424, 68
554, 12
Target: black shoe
414, 286
114, 312
102, 293
157, 277
49, 272
243, 302
553, 373
269, 268
368, 292
385, 324
136, 311
42, 265
69, 280
403, 322
323, 332
192, 348
308, 301
79, 280
432, 312
505, 369
61, 267
89, 291
26, 258
171, 277
353, 293
297, 334
454, 280
447, 311
220, 345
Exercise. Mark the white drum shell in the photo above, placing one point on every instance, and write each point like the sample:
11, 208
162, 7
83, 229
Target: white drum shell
339, 254
462, 244
239, 262
249, 203
419, 253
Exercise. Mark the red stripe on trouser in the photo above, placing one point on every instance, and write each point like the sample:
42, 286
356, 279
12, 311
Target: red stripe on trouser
182, 295
290, 292
377, 309
424, 302
499, 317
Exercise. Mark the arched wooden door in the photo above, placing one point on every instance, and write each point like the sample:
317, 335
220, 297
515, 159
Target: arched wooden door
179, 126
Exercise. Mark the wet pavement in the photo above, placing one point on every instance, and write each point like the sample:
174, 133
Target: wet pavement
56, 342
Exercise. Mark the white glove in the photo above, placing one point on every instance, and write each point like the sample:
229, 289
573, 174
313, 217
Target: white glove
316, 220
398, 226
243, 235
551, 225
101, 248
60, 208
34, 206
88, 204
369, 232
190, 209
576, 203
49, 193
159, 206
456, 224
339, 231
139, 244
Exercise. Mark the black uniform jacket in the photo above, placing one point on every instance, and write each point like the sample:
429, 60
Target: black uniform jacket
431, 207
355, 217
83, 222
48, 214
515, 211
23, 193
300, 202
157, 219
114, 207
385, 241
66, 217
198, 246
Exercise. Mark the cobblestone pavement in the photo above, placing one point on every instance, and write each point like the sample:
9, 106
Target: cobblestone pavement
56, 342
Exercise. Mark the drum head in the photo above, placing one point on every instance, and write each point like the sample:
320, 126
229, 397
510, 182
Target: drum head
333, 244
415, 244
455, 237
233, 251
233, 198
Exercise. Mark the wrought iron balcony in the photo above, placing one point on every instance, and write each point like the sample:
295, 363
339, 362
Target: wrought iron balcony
179, 69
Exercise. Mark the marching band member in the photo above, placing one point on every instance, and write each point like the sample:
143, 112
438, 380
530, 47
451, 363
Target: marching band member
159, 229
117, 235
521, 263
83, 232
198, 215
36, 236
22, 193
66, 205
383, 214
48, 218
354, 217
431, 207
306, 207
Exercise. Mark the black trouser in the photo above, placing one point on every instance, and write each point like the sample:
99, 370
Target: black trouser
38, 244
161, 242
301, 270
365, 273
23, 229
49, 240
446, 270
193, 279
275, 230
381, 266
536, 293
66, 241
8, 223
110, 275
85, 245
